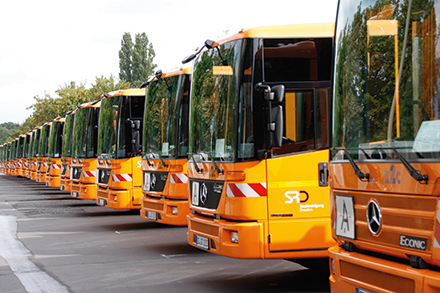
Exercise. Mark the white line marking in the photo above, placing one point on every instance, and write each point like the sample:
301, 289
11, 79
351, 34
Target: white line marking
17, 256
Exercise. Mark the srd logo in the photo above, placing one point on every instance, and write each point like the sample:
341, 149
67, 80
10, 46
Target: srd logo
212, 173
413, 242
391, 176
295, 195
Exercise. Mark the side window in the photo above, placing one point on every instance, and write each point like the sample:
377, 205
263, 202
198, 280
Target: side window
306, 121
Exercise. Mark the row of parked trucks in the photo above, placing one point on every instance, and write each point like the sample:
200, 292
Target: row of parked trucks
295, 142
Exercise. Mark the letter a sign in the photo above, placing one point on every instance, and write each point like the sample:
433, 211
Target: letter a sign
345, 221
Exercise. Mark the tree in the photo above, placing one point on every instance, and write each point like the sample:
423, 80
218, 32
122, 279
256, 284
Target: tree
71, 95
125, 65
105, 85
136, 60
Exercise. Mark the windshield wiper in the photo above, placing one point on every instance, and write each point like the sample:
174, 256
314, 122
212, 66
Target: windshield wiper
105, 157
163, 162
355, 167
413, 172
199, 170
148, 161
215, 165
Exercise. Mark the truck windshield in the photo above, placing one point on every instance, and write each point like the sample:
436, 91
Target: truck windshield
386, 82
44, 141
214, 93
166, 112
67, 136
20, 147
55, 139
26, 146
108, 125
79, 133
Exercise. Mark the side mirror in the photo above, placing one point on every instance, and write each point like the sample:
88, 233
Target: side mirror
278, 126
275, 117
210, 44
189, 58
278, 93
158, 74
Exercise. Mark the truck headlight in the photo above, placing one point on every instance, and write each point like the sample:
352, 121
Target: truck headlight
234, 237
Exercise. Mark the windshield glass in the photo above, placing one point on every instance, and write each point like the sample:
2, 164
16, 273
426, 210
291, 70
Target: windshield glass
44, 141
26, 146
20, 147
166, 126
92, 132
36, 144
108, 120
214, 94
67, 136
55, 139
386, 79
79, 133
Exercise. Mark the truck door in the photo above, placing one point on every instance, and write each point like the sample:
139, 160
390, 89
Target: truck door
297, 205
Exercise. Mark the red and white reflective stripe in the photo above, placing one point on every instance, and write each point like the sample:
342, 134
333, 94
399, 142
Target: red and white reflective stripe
437, 228
25, 164
246, 189
89, 174
122, 177
56, 166
45, 165
35, 164
19, 164
179, 178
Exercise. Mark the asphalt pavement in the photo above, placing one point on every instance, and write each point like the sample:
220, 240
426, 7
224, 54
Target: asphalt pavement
50, 242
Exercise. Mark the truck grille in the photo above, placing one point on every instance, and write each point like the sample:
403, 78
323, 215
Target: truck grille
377, 278
406, 215
104, 176
76, 173
206, 193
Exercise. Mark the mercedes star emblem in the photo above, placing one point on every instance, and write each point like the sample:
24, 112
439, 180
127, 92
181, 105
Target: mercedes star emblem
203, 193
374, 217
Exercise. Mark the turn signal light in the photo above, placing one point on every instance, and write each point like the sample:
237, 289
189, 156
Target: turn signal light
176, 168
235, 175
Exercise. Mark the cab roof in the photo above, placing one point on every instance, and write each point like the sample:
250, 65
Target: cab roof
306, 30
181, 71
127, 92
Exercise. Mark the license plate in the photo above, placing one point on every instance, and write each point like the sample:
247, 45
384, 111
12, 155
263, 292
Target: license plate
152, 216
74, 194
101, 202
345, 221
360, 290
202, 242
62, 187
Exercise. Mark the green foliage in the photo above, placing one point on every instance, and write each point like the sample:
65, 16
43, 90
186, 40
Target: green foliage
125, 65
70, 95
8, 131
136, 59
105, 85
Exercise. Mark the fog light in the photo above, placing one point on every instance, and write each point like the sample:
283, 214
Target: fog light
234, 237
174, 211
116, 198
332, 265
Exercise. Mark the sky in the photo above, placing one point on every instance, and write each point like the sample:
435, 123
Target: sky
46, 44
